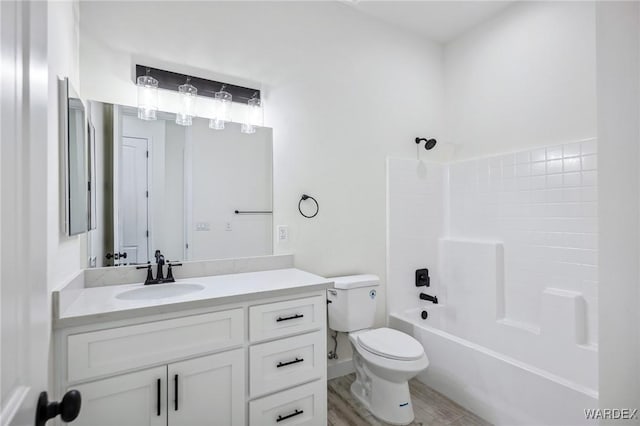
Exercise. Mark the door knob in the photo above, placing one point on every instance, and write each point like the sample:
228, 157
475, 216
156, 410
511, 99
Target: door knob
68, 408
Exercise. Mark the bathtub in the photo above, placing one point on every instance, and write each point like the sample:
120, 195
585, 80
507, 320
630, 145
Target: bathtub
500, 389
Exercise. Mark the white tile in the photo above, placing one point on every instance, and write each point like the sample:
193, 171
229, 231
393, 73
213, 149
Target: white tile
589, 162
590, 178
554, 166
571, 164
571, 149
589, 193
539, 168
539, 154
554, 152
508, 160
538, 182
589, 147
554, 181
572, 179
523, 157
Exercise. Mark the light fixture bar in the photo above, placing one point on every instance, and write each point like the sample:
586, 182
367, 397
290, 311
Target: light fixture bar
171, 80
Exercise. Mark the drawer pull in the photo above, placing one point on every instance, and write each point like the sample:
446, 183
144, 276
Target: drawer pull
158, 402
288, 416
284, 364
175, 392
296, 316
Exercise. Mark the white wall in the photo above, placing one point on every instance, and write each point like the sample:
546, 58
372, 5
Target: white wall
525, 78
66, 255
618, 126
342, 92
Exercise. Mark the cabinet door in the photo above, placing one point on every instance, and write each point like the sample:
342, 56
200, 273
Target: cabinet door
134, 399
208, 390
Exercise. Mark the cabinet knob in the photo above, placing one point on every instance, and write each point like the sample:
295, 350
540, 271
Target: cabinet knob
68, 408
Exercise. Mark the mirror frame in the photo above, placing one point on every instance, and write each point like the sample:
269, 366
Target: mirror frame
64, 89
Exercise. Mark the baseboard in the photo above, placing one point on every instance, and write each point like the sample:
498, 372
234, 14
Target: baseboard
339, 368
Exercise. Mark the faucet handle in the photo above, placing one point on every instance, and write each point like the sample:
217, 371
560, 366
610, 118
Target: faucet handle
170, 270
149, 273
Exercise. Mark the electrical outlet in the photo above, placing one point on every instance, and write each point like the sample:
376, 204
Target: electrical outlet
228, 227
203, 226
283, 233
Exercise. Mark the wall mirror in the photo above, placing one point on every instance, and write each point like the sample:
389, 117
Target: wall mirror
190, 191
73, 132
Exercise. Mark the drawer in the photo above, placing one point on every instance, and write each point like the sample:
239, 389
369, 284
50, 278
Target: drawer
274, 320
304, 405
288, 362
114, 350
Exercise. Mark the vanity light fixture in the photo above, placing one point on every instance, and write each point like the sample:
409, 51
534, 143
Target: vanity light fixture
147, 96
222, 109
188, 95
223, 95
254, 115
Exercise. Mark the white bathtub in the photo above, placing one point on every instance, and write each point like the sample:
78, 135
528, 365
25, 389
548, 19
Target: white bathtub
502, 390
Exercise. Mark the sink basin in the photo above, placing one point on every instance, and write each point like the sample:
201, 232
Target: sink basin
160, 291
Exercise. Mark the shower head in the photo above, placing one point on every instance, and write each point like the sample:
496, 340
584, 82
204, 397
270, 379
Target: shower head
429, 143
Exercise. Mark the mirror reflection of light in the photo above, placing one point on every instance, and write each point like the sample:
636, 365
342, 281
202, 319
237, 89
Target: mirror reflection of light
254, 116
188, 95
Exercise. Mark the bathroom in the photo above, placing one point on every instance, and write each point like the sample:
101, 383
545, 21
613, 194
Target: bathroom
523, 212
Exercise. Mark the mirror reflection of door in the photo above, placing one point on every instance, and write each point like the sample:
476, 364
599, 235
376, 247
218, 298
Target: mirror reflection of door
133, 192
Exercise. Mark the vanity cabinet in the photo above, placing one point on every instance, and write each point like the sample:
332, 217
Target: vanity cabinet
138, 398
192, 392
251, 363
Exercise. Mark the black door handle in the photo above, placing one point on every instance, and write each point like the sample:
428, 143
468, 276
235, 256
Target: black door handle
68, 408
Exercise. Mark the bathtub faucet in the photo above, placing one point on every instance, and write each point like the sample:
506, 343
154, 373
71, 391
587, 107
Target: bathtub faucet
425, 296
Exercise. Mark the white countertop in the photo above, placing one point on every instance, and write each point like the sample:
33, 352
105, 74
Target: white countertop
100, 303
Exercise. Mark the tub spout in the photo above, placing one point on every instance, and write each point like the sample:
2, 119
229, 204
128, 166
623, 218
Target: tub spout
428, 297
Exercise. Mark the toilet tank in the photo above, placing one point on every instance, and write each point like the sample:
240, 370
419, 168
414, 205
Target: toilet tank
352, 302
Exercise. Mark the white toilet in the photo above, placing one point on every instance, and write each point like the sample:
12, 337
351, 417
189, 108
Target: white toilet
384, 359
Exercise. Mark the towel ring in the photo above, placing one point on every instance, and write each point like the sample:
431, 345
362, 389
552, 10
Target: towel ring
304, 198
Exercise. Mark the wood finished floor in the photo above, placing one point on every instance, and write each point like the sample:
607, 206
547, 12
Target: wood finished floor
429, 406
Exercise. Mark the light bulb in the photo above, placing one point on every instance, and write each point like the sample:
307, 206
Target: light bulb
147, 97
254, 116
188, 95
222, 110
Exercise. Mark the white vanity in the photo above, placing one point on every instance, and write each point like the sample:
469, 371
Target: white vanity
245, 349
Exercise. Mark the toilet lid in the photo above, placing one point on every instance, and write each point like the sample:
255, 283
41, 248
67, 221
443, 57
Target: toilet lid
389, 343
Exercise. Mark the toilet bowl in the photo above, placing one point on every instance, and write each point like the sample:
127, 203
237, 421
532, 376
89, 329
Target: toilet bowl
384, 359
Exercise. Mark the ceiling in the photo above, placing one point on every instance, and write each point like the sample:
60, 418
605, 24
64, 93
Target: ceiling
441, 21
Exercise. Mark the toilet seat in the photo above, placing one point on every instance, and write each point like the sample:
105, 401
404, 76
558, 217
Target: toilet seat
391, 344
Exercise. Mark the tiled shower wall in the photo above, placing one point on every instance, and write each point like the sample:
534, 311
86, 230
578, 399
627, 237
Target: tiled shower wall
542, 204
